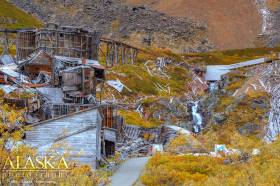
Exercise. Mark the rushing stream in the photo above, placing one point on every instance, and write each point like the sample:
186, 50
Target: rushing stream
213, 87
197, 118
268, 20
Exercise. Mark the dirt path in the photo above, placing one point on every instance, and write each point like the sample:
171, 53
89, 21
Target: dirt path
129, 172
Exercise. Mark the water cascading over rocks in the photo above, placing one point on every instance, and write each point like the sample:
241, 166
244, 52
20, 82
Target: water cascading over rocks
270, 23
273, 128
213, 87
197, 118
270, 79
267, 17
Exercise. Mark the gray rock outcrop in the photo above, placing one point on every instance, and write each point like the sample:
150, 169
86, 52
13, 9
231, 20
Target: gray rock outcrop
138, 25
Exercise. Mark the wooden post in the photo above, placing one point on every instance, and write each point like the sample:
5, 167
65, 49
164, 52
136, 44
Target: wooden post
107, 54
123, 53
116, 55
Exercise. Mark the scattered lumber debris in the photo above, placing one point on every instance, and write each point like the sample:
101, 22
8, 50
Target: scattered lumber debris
158, 67
116, 84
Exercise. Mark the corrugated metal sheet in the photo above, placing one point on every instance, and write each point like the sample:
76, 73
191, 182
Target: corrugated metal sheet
73, 60
7, 60
215, 72
55, 95
8, 88
10, 72
82, 145
248, 63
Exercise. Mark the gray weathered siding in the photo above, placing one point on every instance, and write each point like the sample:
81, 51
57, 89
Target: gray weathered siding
80, 132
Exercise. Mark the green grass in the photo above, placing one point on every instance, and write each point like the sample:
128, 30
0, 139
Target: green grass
12, 17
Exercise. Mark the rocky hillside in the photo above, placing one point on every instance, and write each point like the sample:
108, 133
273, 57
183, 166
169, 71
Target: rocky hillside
254, 22
270, 10
229, 22
181, 25
141, 26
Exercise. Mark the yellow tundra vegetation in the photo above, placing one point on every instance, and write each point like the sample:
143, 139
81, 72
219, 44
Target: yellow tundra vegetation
243, 112
231, 56
184, 144
172, 170
133, 118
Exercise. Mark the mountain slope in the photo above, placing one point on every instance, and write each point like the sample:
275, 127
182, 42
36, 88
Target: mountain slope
13, 17
231, 24
139, 26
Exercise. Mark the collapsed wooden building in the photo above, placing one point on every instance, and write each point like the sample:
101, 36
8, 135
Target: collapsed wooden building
58, 40
59, 66
71, 41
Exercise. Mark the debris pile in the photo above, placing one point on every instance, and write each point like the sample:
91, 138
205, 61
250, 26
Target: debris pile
60, 81
158, 67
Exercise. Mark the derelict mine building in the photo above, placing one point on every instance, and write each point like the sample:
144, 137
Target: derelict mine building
61, 65
58, 40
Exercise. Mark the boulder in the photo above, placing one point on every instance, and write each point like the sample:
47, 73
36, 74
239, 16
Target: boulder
220, 118
260, 103
248, 129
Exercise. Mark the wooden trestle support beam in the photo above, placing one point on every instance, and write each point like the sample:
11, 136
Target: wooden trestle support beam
118, 53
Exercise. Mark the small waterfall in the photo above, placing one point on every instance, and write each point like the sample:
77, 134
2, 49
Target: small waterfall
267, 17
213, 87
273, 127
197, 118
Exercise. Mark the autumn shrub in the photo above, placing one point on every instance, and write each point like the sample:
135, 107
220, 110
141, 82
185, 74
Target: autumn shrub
133, 118
174, 170
184, 144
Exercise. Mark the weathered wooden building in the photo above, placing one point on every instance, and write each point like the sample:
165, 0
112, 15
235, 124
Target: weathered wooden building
83, 132
58, 40
37, 64
78, 83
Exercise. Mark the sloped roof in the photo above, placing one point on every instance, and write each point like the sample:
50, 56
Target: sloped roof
32, 57
71, 69
215, 72
55, 95
79, 131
